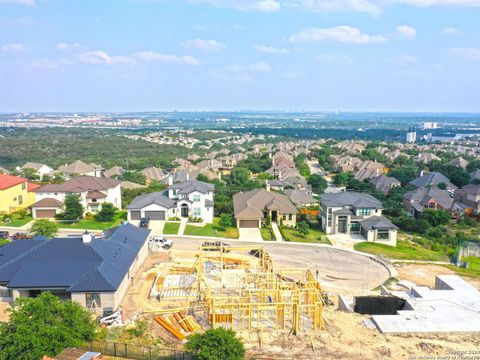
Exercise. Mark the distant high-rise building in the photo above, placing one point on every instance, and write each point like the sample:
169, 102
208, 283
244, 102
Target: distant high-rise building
430, 125
411, 135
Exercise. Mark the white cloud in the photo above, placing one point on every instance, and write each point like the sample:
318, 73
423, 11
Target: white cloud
406, 32
67, 47
255, 67
14, 47
101, 57
152, 56
343, 34
451, 31
326, 6
204, 45
271, 49
20, 2
334, 59
431, 3
468, 54
245, 5
404, 60
49, 64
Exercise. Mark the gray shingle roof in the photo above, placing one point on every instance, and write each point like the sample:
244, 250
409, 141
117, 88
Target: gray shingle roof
357, 200
299, 197
159, 198
80, 184
432, 179
419, 198
190, 186
377, 222
99, 266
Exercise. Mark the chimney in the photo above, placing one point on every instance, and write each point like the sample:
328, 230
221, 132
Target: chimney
87, 237
421, 173
268, 186
170, 180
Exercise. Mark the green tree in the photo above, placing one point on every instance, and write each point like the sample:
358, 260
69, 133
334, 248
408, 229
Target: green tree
216, 344
30, 174
133, 176
341, 178
436, 217
404, 174
239, 176
226, 220
303, 228
318, 182
106, 213
43, 326
73, 207
44, 227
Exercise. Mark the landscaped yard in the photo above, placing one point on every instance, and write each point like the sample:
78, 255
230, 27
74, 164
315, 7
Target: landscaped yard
212, 230
313, 236
266, 234
171, 228
473, 268
96, 225
16, 221
404, 251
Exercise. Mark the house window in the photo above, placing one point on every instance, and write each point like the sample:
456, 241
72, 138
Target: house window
20, 199
93, 301
196, 197
284, 217
290, 217
23, 186
354, 227
197, 212
383, 234
365, 212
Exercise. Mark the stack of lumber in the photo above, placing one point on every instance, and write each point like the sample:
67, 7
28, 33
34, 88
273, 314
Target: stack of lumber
179, 324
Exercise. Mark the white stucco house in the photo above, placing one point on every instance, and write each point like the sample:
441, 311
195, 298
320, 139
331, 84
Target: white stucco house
188, 199
352, 213
40, 169
93, 192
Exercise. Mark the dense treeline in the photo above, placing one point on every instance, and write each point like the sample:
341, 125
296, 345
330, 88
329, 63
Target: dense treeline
58, 146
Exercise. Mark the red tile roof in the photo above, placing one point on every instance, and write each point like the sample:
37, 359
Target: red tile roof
32, 186
7, 181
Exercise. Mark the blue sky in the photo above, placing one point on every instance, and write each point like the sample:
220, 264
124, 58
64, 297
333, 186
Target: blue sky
144, 55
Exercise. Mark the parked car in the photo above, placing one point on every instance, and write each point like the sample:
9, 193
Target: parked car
4, 234
159, 241
144, 222
216, 246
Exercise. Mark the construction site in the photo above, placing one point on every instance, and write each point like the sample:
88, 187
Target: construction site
278, 312
237, 288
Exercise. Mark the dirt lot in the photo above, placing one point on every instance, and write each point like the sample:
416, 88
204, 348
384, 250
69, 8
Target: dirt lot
424, 274
348, 338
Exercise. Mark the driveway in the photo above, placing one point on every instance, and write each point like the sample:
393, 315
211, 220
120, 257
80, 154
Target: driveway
156, 226
249, 234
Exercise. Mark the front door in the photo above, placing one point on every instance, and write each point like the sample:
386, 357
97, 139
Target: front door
274, 215
342, 225
184, 210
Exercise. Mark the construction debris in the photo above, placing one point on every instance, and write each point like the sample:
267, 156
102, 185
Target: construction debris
237, 288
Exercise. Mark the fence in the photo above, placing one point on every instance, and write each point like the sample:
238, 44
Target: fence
130, 351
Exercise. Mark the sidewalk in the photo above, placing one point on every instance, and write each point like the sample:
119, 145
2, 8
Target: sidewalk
183, 224
276, 232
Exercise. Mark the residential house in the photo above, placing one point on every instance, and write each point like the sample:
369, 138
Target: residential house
113, 172
426, 157
416, 201
93, 192
475, 175
384, 183
40, 169
130, 185
392, 155
470, 196
351, 147
252, 208
293, 182
78, 167
356, 213
193, 157
432, 180
301, 198
369, 169
95, 272
15, 194
153, 174
459, 162
345, 163
190, 198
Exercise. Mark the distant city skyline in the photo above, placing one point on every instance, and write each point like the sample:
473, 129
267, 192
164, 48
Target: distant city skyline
160, 55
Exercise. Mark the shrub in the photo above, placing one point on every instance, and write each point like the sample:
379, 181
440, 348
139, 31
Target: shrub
226, 220
106, 213
44, 227
216, 344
